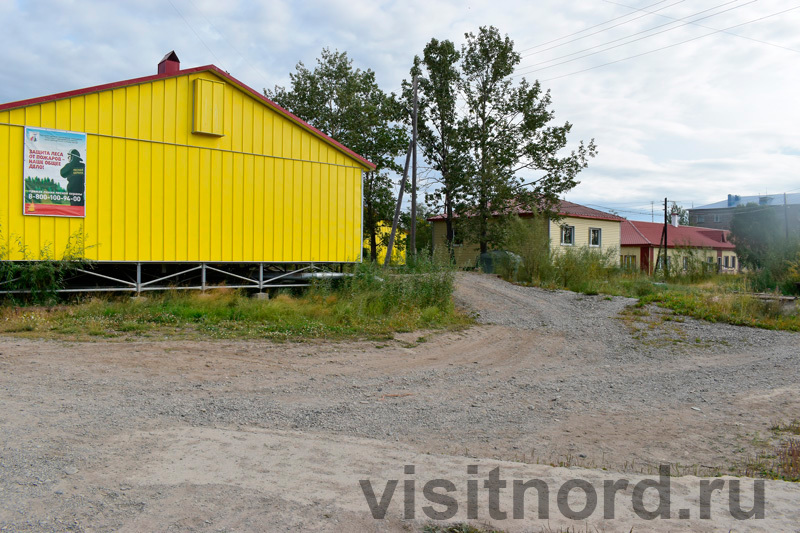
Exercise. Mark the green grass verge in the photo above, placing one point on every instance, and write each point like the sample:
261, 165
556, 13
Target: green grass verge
371, 303
730, 308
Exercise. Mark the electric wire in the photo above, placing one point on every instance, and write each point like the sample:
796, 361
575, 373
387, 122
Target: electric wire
599, 31
669, 46
708, 27
526, 70
587, 29
219, 63
635, 34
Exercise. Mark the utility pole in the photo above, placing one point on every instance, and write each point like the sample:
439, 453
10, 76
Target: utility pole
397, 209
652, 211
413, 236
666, 226
662, 258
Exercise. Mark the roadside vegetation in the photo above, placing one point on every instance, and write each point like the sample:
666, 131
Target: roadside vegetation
371, 302
697, 291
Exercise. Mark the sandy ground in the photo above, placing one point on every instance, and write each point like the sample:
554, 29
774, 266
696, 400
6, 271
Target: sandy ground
256, 436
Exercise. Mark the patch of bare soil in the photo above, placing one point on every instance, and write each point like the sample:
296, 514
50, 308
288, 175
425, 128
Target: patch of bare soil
259, 436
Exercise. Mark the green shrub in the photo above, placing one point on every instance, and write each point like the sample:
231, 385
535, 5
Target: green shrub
39, 279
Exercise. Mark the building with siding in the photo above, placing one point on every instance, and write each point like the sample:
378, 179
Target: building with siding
576, 226
184, 166
720, 214
188, 165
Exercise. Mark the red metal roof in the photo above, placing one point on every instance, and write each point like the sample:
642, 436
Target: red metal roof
207, 68
570, 209
636, 233
567, 209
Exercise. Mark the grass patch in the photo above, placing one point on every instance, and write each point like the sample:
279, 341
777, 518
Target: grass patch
371, 303
731, 308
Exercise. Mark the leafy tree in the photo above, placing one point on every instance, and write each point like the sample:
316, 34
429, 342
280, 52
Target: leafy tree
507, 130
683, 214
347, 104
438, 129
755, 231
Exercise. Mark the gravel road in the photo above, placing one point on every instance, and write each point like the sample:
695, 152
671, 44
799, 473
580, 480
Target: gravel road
167, 436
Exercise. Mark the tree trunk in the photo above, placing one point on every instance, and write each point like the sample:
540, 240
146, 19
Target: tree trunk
450, 234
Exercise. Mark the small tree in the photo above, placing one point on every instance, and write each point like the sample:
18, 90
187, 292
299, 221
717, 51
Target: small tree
347, 104
683, 214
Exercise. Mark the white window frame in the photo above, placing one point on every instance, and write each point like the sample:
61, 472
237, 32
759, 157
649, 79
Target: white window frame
716, 218
572, 234
599, 237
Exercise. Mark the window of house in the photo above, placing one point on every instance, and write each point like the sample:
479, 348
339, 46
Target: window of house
595, 236
727, 260
716, 218
567, 235
733, 261
701, 218
710, 259
628, 261
686, 263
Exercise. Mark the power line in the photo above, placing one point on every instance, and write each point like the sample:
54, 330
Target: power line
706, 27
671, 45
635, 34
589, 28
195, 33
642, 213
250, 64
634, 40
600, 31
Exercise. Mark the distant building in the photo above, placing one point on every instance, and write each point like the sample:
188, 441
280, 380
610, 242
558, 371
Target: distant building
640, 243
719, 215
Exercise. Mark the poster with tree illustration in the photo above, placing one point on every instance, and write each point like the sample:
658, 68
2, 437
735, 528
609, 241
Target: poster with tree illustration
54, 173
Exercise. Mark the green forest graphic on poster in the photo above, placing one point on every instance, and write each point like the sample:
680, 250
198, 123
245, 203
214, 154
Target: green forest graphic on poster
54, 173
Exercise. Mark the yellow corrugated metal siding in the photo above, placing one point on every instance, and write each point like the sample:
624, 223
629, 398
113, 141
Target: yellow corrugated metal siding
266, 190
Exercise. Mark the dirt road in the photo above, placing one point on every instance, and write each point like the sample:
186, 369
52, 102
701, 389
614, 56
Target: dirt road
256, 436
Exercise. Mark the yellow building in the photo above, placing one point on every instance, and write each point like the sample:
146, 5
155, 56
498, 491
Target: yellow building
576, 226
382, 236
183, 166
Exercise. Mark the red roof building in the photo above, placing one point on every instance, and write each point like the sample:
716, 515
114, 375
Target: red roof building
565, 209
639, 243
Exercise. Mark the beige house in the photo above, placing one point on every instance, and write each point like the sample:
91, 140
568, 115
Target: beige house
576, 226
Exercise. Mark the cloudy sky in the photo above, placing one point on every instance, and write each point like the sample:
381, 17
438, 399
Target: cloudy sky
686, 99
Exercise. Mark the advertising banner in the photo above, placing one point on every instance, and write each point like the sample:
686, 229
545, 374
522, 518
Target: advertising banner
54, 173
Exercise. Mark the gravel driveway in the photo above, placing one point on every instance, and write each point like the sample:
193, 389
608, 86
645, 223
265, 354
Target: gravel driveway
172, 436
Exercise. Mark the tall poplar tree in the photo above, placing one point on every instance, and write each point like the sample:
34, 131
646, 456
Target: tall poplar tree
512, 148
439, 137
